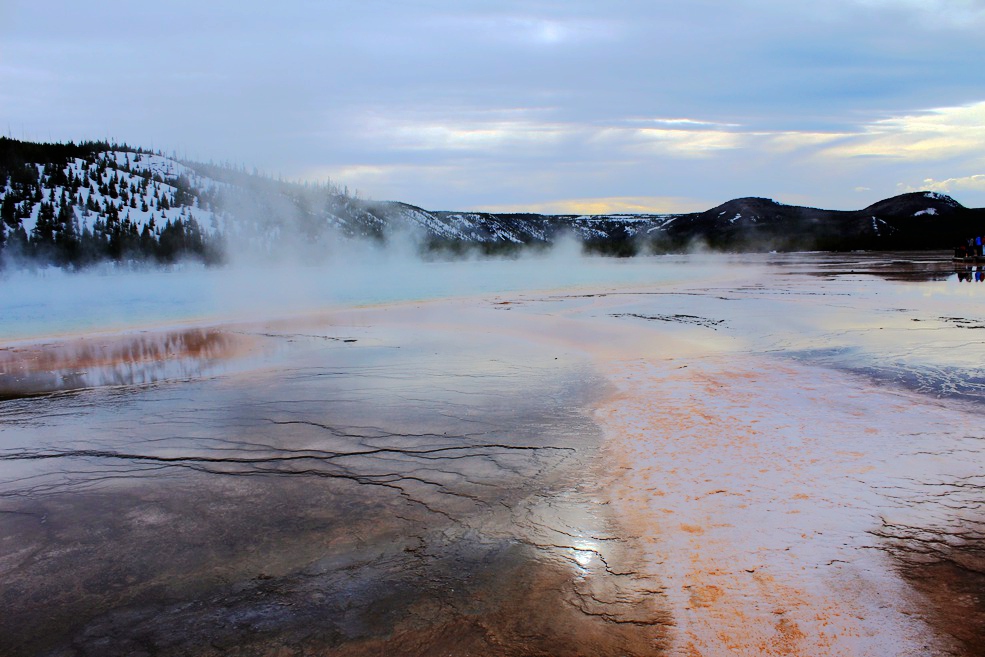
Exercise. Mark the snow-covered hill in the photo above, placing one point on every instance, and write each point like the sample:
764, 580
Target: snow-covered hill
77, 204
144, 189
118, 203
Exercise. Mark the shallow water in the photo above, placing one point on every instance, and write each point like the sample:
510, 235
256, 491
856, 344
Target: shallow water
749, 455
54, 303
403, 489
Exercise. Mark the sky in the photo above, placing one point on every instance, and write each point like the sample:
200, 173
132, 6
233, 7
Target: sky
562, 106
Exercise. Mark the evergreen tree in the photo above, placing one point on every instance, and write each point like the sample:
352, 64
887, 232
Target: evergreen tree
148, 239
66, 235
44, 228
43, 235
8, 211
114, 233
17, 241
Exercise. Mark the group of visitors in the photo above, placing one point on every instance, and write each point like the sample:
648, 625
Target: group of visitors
973, 249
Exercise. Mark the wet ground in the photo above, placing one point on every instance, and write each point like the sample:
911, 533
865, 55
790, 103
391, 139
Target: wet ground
782, 458
399, 492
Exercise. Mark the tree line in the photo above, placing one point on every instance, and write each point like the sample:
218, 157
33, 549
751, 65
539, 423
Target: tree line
81, 206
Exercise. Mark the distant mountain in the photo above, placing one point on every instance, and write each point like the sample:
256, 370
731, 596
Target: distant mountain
77, 204
915, 221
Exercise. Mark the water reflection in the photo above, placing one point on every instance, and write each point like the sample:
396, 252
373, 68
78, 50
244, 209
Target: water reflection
136, 359
435, 486
323, 498
970, 274
584, 551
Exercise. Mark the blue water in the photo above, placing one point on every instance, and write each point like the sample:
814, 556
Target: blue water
52, 302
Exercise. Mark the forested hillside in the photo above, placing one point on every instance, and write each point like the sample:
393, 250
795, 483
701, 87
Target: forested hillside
73, 205
76, 204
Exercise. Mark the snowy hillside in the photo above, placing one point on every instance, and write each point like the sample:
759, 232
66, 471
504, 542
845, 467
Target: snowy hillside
88, 206
69, 204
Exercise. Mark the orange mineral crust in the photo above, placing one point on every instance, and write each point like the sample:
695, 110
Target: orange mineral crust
755, 490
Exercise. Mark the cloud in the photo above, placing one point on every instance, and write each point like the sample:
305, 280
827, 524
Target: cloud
937, 13
940, 133
514, 158
974, 182
793, 141
394, 182
937, 133
525, 29
610, 205
680, 123
520, 137
686, 143
449, 104
475, 136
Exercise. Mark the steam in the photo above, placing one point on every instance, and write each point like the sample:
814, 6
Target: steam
50, 302
289, 249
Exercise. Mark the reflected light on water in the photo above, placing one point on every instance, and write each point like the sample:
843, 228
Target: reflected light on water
584, 551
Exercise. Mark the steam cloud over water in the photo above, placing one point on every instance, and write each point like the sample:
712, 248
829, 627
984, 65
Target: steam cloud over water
51, 302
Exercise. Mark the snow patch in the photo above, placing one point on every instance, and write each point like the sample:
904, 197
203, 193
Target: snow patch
937, 196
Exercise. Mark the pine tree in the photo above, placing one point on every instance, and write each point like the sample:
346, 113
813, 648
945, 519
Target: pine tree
8, 211
114, 246
66, 234
58, 177
43, 235
17, 241
45, 226
90, 249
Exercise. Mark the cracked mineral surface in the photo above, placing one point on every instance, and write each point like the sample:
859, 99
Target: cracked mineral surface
762, 455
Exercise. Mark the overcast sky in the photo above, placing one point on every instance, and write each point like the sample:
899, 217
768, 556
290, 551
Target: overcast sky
571, 105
